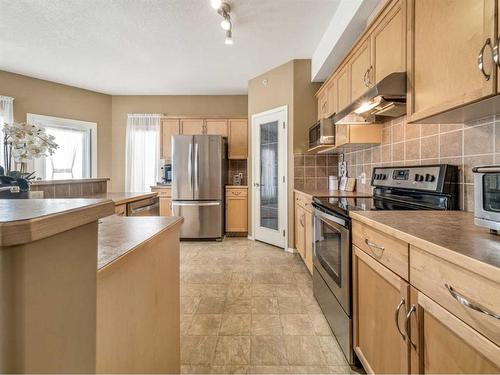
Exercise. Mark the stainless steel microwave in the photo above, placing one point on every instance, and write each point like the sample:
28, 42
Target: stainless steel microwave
322, 133
487, 196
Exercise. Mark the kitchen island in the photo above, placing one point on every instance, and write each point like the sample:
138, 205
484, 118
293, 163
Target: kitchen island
138, 295
48, 256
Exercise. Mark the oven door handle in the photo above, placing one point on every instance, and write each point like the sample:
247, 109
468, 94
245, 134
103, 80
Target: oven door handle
335, 219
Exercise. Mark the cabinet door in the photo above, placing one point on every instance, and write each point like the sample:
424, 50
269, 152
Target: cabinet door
343, 88
216, 127
442, 343
447, 37
380, 299
169, 127
193, 127
331, 93
238, 139
236, 214
388, 45
165, 206
308, 246
341, 134
359, 69
299, 230
323, 105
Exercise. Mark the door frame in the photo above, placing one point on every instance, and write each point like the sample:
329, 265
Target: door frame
283, 206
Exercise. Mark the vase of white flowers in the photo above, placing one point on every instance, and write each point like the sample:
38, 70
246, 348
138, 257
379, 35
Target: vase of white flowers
22, 143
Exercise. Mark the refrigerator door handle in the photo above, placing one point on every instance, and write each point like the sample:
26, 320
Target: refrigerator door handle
174, 203
190, 172
196, 167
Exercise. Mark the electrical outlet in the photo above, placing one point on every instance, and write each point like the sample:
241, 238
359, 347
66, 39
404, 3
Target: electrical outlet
362, 177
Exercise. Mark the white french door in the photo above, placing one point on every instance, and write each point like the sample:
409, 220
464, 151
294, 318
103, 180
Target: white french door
269, 175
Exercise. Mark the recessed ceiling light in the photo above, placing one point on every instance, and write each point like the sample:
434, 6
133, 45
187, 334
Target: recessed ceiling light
226, 24
216, 3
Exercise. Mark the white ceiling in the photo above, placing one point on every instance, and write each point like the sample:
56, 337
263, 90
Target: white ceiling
156, 46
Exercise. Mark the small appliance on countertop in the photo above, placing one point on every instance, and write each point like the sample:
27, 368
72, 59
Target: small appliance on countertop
166, 174
431, 187
487, 197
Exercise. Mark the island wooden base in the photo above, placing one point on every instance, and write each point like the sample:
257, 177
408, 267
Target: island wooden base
48, 304
138, 312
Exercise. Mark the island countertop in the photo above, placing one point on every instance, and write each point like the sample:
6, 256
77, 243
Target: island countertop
447, 234
122, 198
27, 220
119, 235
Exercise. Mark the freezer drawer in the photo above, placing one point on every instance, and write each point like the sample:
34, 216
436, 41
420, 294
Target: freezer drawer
202, 219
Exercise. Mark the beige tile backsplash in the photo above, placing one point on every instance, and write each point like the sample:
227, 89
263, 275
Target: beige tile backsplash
464, 145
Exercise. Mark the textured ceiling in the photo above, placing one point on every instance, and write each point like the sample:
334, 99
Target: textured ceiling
156, 46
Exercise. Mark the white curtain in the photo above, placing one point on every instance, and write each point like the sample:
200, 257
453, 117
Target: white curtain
142, 151
6, 116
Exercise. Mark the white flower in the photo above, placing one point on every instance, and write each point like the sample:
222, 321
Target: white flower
28, 141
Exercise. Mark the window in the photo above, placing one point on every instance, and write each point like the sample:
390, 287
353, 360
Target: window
6, 115
143, 151
76, 156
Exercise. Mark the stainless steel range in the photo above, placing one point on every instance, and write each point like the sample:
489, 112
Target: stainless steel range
432, 187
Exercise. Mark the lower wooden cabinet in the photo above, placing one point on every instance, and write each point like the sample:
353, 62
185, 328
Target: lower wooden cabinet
165, 195
401, 329
303, 229
237, 209
442, 343
121, 209
380, 302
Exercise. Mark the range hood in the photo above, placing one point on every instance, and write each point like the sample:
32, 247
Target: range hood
385, 99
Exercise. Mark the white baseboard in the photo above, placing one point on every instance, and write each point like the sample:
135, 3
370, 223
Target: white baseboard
250, 237
290, 250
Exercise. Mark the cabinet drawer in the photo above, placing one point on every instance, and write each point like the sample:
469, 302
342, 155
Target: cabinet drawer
121, 210
163, 192
303, 200
388, 250
431, 275
235, 192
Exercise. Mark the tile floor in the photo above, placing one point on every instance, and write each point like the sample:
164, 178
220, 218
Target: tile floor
248, 307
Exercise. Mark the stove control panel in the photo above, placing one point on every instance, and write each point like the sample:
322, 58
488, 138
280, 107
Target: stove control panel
418, 177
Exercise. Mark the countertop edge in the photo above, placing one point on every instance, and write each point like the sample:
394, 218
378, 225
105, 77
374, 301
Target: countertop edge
135, 198
70, 181
179, 220
487, 270
334, 194
24, 231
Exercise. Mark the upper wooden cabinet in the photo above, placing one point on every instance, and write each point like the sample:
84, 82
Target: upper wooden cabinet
169, 127
445, 43
238, 138
359, 66
388, 44
351, 135
343, 83
216, 127
193, 126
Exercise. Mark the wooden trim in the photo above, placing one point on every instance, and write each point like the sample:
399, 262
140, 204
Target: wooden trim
203, 117
459, 328
363, 361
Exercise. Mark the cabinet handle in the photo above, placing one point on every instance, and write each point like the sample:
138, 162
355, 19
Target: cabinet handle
236, 192
471, 305
370, 69
372, 246
302, 217
496, 57
396, 318
480, 59
413, 309
365, 78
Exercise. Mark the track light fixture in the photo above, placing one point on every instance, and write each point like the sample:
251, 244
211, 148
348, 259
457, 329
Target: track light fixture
224, 10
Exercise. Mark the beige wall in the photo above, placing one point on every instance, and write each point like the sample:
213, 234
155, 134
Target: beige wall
41, 97
168, 105
290, 85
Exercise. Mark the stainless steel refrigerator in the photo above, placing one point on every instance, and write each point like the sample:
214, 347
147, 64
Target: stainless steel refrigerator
199, 175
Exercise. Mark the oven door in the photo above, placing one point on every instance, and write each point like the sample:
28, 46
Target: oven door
332, 255
487, 193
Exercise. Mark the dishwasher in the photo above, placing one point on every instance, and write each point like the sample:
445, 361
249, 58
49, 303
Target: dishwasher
144, 207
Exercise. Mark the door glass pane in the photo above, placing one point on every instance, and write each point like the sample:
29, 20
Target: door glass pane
269, 175
491, 192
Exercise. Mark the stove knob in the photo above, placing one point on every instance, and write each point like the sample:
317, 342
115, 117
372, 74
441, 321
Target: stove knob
384, 177
429, 177
419, 177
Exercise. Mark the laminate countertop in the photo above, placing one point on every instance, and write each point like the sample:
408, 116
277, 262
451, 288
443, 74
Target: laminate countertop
27, 220
451, 235
325, 193
119, 235
122, 198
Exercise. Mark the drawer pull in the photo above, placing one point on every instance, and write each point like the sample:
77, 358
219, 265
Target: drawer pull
236, 192
372, 246
407, 325
471, 305
396, 317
